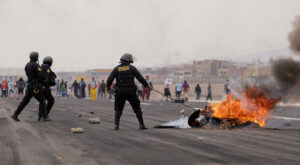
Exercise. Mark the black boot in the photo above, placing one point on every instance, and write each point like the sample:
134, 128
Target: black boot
117, 119
141, 121
15, 117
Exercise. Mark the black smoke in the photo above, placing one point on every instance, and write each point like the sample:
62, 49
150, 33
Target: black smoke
287, 70
294, 36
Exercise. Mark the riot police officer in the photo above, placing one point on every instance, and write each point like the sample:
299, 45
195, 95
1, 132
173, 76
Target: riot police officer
126, 88
34, 89
48, 81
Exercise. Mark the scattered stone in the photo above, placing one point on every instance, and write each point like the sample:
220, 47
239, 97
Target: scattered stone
200, 138
34, 110
182, 111
80, 115
77, 130
95, 120
92, 113
58, 157
287, 122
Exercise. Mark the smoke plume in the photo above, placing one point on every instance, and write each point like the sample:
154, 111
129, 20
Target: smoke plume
287, 70
294, 36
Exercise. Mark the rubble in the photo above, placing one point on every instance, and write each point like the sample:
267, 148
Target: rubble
95, 120
200, 138
34, 110
81, 114
182, 111
77, 130
287, 122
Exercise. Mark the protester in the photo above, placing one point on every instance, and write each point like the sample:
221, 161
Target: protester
20, 86
209, 92
139, 90
63, 89
198, 92
57, 88
167, 92
0, 88
227, 87
186, 88
82, 88
10, 86
146, 90
66, 83
178, 90
75, 87
103, 87
4, 89
93, 89
89, 89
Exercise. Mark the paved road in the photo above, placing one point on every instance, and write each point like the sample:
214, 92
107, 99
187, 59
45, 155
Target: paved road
30, 142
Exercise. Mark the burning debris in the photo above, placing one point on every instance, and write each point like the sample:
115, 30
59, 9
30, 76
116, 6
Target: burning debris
251, 110
252, 107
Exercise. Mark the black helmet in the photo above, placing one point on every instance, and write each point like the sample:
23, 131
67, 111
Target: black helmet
48, 60
34, 56
127, 58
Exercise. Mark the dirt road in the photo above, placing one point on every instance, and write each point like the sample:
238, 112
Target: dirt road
30, 142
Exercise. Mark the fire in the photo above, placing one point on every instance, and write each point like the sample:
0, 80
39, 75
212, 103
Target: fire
253, 106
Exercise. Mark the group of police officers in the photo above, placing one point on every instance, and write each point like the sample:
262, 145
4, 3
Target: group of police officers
41, 78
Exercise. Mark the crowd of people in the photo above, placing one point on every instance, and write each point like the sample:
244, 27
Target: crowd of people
10, 88
185, 88
96, 89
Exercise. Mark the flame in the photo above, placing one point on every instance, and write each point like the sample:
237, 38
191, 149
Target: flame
253, 106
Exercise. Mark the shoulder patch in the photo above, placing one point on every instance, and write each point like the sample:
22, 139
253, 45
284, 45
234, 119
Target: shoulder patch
48, 70
123, 68
39, 69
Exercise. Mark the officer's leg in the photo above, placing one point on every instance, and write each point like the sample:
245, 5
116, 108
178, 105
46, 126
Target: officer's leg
50, 99
42, 104
119, 106
136, 106
24, 102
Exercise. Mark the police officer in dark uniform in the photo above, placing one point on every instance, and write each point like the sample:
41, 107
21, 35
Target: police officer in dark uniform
48, 81
126, 88
34, 89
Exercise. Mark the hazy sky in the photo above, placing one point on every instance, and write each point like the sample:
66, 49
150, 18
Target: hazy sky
84, 34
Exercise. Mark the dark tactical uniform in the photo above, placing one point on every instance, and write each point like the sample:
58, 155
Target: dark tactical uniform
34, 89
48, 81
126, 90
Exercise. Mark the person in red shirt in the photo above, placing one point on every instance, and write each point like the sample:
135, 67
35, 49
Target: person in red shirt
146, 91
4, 89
